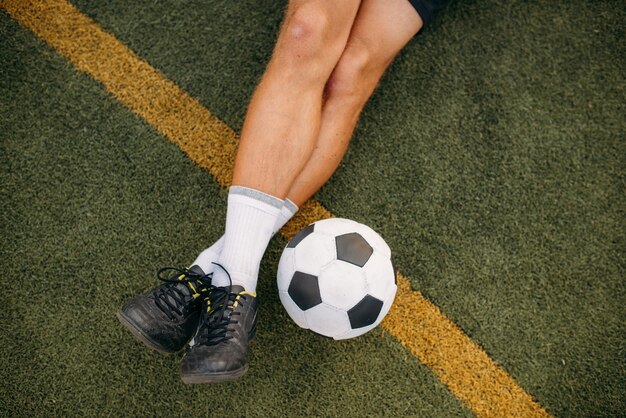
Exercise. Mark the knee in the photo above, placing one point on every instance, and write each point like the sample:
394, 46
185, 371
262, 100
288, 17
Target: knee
357, 73
306, 42
306, 26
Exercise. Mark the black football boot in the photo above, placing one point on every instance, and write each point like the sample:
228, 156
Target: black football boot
219, 350
166, 317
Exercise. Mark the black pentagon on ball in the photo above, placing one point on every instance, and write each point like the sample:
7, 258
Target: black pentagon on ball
353, 248
304, 290
300, 236
365, 312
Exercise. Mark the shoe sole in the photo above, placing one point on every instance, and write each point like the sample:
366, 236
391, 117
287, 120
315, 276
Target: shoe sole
213, 377
139, 335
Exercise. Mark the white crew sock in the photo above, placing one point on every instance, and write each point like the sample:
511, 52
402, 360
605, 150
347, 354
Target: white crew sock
286, 213
210, 255
250, 220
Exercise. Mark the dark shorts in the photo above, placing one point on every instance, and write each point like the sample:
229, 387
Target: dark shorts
427, 9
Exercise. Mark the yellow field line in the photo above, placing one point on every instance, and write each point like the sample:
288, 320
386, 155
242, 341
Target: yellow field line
418, 324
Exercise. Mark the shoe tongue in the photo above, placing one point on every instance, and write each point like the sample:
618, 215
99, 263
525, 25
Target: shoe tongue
237, 289
184, 286
196, 269
224, 299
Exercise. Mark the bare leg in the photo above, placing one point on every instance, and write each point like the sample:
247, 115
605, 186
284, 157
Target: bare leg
380, 30
283, 119
301, 117
280, 131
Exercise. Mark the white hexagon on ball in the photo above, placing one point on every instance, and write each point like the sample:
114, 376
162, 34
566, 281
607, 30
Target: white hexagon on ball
379, 275
342, 285
313, 253
286, 267
327, 320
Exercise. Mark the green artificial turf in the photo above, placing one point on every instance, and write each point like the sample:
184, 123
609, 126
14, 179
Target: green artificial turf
491, 158
93, 201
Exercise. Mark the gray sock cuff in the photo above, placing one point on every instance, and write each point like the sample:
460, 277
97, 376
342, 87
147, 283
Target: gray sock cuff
290, 206
257, 195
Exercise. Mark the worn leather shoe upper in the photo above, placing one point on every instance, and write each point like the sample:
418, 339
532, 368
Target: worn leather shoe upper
219, 350
166, 317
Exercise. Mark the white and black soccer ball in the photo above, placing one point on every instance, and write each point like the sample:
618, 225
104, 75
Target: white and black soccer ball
335, 277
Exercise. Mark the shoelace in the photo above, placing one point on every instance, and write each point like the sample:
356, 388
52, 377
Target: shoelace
171, 298
215, 320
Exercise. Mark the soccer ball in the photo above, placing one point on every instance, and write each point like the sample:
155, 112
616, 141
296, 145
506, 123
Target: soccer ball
335, 277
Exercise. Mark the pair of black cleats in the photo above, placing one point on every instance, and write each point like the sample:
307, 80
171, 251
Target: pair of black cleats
218, 323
